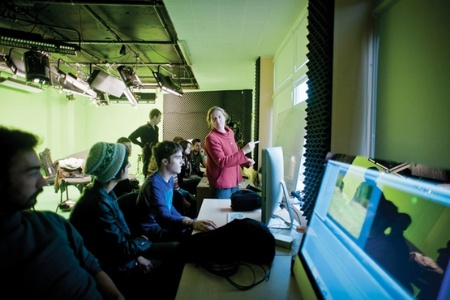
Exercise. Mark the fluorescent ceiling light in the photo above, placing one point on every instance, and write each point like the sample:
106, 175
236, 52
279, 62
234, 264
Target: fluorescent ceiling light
20, 85
76, 82
131, 98
172, 91
166, 84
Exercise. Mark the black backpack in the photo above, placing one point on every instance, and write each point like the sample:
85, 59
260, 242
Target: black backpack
240, 242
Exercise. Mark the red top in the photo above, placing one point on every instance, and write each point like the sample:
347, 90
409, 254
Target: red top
224, 159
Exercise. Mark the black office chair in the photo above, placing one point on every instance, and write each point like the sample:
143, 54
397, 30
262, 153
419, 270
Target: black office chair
127, 204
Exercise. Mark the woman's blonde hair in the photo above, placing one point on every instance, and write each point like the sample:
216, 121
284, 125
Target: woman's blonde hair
210, 111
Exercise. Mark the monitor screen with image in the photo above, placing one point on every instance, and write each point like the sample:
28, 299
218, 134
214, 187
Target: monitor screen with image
372, 232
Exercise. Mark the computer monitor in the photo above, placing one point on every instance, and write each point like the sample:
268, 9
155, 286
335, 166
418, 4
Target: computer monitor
350, 250
274, 186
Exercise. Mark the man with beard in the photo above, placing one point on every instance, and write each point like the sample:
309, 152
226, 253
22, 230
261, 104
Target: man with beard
41, 255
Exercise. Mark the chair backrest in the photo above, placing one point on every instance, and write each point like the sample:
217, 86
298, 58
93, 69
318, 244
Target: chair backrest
47, 163
127, 204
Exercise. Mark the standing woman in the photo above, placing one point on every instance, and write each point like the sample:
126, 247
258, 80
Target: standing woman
224, 156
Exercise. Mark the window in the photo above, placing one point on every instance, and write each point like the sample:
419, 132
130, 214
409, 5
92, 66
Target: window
300, 94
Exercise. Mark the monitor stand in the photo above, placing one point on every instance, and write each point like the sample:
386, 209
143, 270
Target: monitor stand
282, 240
282, 230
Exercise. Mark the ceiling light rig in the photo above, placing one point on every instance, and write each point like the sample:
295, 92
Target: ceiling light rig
166, 84
131, 80
14, 38
37, 67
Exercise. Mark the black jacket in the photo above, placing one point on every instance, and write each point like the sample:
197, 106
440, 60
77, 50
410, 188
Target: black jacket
102, 225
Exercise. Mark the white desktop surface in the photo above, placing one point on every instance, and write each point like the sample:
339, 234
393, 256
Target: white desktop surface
197, 283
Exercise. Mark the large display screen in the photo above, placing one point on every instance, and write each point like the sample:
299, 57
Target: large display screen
375, 234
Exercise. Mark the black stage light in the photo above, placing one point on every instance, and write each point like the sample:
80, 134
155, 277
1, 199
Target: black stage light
37, 67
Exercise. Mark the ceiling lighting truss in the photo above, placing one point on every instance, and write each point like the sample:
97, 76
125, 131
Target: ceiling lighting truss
13, 38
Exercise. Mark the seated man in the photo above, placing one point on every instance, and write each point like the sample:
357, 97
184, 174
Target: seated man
159, 219
198, 156
138, 266
43, 256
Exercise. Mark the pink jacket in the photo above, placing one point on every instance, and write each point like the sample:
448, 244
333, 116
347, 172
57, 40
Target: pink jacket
224, 159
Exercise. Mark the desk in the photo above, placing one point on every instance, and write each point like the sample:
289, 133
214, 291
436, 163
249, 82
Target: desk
204, 192
197, 283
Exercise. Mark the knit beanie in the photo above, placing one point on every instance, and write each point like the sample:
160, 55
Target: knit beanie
105, 160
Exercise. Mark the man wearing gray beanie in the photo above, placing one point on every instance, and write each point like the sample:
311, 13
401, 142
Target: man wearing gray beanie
137, 266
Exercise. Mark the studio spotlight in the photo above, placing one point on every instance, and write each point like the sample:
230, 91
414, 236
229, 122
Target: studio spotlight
37, 67
129, 77
166, 84
16, 65
106, 83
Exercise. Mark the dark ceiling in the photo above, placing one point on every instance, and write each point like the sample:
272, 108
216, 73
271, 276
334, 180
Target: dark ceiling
107, 34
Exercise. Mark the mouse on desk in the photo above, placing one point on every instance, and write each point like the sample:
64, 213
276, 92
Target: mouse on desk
210, 227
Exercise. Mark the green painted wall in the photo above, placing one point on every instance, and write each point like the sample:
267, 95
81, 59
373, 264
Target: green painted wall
67, 127
413, 101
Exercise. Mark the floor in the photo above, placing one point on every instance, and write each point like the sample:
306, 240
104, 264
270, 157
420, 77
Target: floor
49, 199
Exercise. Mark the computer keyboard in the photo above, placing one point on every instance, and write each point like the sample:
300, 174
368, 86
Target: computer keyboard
234, 215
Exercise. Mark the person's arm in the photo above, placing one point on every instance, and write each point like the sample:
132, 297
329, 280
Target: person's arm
134, 137
107, 287
117, 237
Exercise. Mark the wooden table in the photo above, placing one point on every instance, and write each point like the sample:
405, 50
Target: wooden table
197, 283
